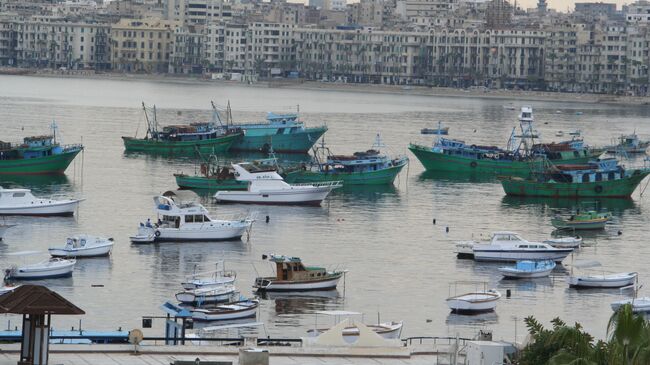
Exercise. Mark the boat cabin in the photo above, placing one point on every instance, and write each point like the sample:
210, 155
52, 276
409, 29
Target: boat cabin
370, 160
292, 269
192, 132
9, 197
506, 237
174, 212
606, 169
455, 147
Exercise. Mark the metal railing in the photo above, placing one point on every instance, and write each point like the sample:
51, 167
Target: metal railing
322, 184
421, 340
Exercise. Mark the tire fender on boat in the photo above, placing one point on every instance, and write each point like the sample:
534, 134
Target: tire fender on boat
157, 233
473, 164
598, 189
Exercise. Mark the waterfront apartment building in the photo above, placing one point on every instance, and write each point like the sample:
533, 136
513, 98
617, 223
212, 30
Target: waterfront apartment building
8, 37
142, 45
271, 48
53, 42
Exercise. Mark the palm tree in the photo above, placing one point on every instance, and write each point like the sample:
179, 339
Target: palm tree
629, 337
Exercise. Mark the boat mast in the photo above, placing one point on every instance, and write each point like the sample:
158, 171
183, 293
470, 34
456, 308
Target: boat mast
54, 127
146, 117
215, 114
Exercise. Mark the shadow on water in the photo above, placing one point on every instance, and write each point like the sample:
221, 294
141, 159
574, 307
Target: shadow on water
615, 206
454, 319
370, 193
38, 183
457, 177
304, 302
222, 158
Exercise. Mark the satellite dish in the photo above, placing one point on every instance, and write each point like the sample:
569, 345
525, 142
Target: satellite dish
135, 336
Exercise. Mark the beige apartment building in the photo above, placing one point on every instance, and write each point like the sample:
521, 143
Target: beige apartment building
142, 45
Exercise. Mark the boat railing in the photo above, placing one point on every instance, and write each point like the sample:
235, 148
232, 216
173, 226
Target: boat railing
324, 184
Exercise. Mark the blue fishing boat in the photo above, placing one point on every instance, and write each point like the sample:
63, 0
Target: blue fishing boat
527, 269
282, 133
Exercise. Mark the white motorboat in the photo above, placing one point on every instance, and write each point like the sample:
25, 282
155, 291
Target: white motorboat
565, 242
8, 288
474, 302
201, 296
387, 330
292, 275
528, 269
4, 228
84, 246
235, 310
639, 305
180, 218
22, 202
216, 278
599, 279
509, 247
266, 186
47, 269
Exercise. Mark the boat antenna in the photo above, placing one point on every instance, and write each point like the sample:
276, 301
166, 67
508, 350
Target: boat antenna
54, 127
378, 142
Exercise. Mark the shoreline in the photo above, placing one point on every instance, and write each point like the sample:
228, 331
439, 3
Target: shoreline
494, 94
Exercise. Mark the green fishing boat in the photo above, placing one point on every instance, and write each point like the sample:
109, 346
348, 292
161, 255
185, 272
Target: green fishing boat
205, 137
603, 178
583, 220
361, 168
38, 155
521, 157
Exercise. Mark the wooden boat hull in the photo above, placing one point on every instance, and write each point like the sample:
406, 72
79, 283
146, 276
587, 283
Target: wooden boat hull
461, 306
51, 272
209, 183
60, 208
271, 284
435, 161
229, 311
602, 281
298, 142
622, 188
48, 165
380, 177
216, 145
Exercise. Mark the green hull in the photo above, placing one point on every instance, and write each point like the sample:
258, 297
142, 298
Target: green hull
207, 183
434, 161
55, 164
216, 145
562, 224
299, 142
381, 177
622, 188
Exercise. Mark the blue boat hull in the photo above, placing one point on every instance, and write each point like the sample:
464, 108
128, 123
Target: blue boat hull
298, 142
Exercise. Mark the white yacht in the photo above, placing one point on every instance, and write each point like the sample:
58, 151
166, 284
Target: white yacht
83, 246
22, 202
510, 247
268, 187
180, 218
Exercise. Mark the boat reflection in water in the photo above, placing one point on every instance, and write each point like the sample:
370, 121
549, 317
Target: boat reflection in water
291, 303
615, 206
457, 177
480, 319
365, 193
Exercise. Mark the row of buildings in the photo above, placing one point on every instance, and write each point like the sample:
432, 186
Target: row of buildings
489, 43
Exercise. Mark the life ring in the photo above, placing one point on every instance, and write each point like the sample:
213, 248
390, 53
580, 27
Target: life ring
473, 164
157, 233
598, 189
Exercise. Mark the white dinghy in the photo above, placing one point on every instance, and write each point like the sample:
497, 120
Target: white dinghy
225, 293
216, 278
268, 187
477, 301
639, 304
83, 246
565, 242
599, 279
181, 218
244, 308
528, 269
46, 269
22, 202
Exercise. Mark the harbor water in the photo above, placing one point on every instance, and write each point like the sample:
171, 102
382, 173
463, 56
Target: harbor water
401, 265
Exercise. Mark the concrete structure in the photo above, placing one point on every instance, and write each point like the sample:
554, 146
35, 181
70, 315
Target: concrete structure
638, 12
142, 45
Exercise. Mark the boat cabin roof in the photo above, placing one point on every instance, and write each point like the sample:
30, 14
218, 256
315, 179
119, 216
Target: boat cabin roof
282, 258
3, 190
273, 117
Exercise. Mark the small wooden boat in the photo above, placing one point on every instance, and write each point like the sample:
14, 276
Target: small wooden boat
583, 221
559, 134
565, 242
84, 246
235, 310
201, 296
528, 269
22, 202
476, 301
629, 144
599, 279
216, 278
292, 275
48, 269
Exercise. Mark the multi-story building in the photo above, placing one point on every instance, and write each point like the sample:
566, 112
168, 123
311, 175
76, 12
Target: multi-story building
45, 41
596, 9
638, 12
426, 8
8, 37
271, 48
142, 45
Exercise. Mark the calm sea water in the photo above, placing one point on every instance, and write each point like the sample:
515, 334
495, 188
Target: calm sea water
400, 264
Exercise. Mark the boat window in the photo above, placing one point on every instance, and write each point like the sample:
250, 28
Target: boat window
18, 195
189, 219
599, 176
523, 246
576, 153
206, 219
611, 176
198, 218
585, 178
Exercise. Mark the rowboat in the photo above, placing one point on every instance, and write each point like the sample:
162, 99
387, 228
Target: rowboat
48, 269
234, 310
476, 301
528, 269
216, 278
201, 296
83, 246
564, 242
583, 220
600, 279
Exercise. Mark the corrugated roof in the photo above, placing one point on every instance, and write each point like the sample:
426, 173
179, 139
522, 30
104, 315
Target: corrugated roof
36, 299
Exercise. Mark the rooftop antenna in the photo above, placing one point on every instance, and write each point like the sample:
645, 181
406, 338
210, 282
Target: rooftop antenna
378, 142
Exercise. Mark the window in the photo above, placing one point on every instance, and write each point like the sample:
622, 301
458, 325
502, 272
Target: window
18, 195
189, 219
